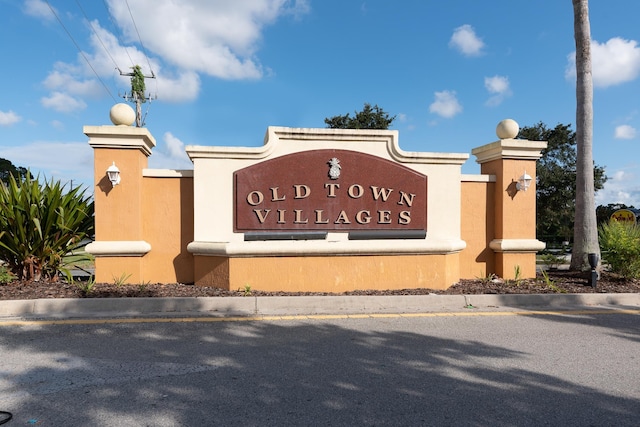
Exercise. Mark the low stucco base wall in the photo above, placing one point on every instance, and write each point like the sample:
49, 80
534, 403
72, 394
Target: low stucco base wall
328, 273
123, 270
510, 265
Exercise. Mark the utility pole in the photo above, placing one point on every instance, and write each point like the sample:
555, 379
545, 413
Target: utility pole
137, 95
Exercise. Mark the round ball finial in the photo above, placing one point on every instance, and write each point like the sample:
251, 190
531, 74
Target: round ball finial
122, 115
507, 129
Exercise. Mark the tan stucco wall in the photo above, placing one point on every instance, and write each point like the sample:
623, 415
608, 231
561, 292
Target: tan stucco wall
168, 227
516, 265
118, 214
144, 223
514, 243
328, 274
477, 228
513, 216
121, 270
122, 220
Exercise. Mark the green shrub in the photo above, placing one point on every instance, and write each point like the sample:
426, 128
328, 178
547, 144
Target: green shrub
620, 244
40, 224
5, 275
551, 261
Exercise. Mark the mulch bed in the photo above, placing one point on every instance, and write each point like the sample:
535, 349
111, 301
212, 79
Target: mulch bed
560, 281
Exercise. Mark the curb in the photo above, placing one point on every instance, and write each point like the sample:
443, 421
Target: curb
65, 308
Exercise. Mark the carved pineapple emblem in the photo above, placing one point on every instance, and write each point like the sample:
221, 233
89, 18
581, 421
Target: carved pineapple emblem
334, 168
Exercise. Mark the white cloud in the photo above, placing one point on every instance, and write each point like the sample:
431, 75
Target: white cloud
625, 132
496, 84
465, 40
445, 104
9, 118
621, 176
184, 87
70, 82
297, 8
182, 40
615, 62
621, 187
175, 147
57, 124
170, 86
38, 9
63, 103
215, 38
499, 88
171, 156
108, 54
64, 161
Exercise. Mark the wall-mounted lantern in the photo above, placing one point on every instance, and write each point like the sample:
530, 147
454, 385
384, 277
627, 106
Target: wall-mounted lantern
524, 182
113, 173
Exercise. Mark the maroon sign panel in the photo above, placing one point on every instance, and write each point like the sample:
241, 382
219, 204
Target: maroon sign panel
329, 190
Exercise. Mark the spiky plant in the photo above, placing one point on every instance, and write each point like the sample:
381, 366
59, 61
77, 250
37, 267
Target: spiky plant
40, 224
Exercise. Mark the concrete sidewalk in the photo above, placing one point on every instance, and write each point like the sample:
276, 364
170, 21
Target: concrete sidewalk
306, 305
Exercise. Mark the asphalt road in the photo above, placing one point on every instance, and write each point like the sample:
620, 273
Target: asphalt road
489, 369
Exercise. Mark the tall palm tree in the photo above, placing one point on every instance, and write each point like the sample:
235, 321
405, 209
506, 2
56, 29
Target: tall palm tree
585, 233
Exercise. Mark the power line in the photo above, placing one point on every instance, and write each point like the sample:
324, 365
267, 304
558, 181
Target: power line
80, 50
97, 35
137, 95
106, 6
144, 51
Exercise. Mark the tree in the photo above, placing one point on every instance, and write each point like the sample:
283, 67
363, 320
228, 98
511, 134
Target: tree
556, 189
585, 231
137, 83
8, 169
137, 92
369, 118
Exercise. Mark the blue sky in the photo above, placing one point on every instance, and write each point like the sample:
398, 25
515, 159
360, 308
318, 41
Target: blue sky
227, 69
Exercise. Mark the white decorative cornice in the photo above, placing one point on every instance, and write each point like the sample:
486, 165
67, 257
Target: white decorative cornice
206, 152
516, 149
276, 135
118, 248
167, 173
517, 245
477, 178
327, 248
120, 137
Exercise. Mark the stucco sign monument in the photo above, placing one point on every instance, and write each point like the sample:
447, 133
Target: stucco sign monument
327, 210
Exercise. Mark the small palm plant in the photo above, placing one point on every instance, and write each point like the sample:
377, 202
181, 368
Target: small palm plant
40, 224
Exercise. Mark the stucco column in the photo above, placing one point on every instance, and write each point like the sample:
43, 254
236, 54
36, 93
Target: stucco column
119, 241
515, 244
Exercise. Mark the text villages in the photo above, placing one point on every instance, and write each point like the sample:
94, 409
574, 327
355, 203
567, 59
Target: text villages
285, 211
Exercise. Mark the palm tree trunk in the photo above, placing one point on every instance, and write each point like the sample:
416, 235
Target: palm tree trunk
585, 233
